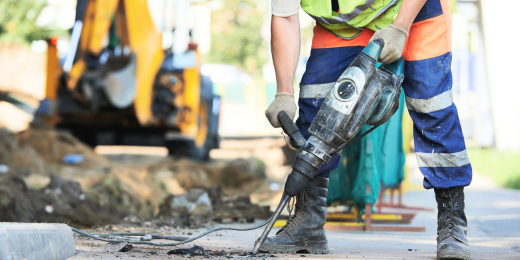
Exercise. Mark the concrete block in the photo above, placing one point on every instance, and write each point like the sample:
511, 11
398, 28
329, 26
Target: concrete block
35, 241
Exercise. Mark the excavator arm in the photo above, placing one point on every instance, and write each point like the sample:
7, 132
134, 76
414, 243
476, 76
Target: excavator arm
135, 32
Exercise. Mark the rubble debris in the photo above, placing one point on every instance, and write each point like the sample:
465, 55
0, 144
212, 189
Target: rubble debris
199, 251
196, 207
120, 194
218, 253
72, 205
113, 247
41, 181
196, 201
194, 250
62, 201
241, 171
131, 220
18, 203
238, 176
241, 210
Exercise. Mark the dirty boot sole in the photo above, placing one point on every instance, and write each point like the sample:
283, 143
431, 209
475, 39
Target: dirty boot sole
312, 247
453, 254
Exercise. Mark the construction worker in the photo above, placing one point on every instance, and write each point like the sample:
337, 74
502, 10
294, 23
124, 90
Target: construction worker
418, 30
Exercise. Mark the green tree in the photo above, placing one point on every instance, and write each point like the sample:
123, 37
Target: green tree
236, 37
18, 21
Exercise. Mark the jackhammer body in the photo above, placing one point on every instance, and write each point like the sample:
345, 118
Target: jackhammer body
363, 94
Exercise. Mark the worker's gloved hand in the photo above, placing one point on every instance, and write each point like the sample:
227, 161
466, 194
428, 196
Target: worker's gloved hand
394, 38
281, 102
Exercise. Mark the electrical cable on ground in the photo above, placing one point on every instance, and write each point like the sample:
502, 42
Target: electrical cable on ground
145, 236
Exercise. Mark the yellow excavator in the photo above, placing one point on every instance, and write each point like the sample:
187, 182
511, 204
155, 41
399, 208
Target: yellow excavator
117, 86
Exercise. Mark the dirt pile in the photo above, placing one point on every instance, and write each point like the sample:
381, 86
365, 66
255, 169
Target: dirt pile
52, 146
20, 160
125, 193
41, 151
197, 207
39, 186
16, 204
62, 201
235, 177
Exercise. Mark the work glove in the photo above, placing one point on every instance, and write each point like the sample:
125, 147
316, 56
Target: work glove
282, 102
394, 38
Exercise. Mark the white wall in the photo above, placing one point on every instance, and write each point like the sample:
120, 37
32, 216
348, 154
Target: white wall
502, 46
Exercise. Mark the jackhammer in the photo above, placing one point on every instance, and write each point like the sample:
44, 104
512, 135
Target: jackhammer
363, 94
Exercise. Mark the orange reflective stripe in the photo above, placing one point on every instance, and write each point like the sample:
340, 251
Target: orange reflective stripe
324, 39
429, 38
447, 14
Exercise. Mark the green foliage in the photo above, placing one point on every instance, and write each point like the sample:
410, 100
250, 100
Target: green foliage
501, 167
235, 35
18, 21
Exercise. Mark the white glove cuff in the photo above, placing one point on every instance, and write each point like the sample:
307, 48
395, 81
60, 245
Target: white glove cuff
397, 30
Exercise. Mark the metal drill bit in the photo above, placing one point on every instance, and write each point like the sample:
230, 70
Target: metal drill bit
276, 214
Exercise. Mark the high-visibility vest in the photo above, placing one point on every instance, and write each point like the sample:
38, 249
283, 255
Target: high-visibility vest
353, 15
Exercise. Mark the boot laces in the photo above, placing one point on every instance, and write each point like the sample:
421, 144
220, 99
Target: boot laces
450, 218
297, 204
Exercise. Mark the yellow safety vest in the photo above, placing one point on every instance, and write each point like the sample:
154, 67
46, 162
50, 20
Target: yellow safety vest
353, 15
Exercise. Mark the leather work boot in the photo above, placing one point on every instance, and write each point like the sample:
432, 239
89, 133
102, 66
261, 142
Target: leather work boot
304, 232
452, 224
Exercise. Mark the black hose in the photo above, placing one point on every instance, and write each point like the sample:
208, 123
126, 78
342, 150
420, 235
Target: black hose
353, 141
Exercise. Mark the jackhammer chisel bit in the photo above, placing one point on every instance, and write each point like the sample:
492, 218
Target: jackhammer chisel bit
269, 226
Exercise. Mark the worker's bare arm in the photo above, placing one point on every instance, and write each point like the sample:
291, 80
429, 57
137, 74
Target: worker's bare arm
407, 13
285, 47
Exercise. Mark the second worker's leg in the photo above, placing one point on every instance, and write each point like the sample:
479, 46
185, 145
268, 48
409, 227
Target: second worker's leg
439, 143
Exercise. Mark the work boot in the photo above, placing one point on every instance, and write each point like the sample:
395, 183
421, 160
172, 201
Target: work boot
304, 232
452, 224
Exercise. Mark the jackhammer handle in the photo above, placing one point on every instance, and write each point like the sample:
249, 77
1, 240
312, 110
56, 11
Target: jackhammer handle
288, 125
380, 42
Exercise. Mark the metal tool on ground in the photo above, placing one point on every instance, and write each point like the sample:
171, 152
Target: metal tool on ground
362, 95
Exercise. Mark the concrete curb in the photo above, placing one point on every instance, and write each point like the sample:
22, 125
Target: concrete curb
35, 241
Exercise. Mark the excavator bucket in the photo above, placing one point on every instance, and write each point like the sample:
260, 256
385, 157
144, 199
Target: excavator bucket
120, 85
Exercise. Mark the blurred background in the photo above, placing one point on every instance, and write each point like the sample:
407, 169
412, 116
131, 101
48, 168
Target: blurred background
127, 104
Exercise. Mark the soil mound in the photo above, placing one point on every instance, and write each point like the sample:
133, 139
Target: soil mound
62, 201
196, 207
39, 186
52, 146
